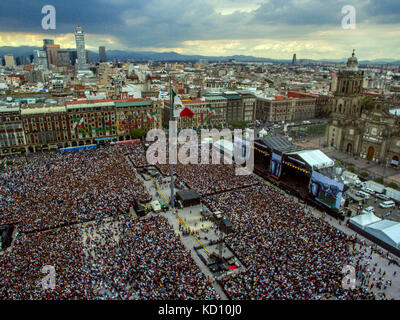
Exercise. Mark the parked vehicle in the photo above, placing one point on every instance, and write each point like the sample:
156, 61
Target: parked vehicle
387, 204
368, 210
368, 190
363, 194
351, 178
358, 183
382, 196
393, 194
376, 187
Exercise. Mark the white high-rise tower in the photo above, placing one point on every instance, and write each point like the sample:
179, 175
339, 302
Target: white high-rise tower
80, 48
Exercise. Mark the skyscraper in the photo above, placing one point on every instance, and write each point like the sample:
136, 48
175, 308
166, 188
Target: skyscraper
63, 59
22, 60
102, 54
73, 56
40, 59
294, 60
51, 50
46, 42
80, 48
9, 60
87, 56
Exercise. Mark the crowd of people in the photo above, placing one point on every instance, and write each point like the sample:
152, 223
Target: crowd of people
207, 179
122, 258
137, 154
54, 189
289, 254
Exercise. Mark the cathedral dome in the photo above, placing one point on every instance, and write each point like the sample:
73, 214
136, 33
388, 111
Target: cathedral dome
352, 63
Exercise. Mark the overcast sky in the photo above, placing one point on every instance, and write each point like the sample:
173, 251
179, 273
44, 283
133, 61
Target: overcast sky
263, 28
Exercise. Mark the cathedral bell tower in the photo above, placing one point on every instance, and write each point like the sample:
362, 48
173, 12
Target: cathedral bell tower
346, 108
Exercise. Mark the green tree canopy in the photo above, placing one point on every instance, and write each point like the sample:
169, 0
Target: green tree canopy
364, 174
379, 180
239, 124
368, 103
393, 185
138, 133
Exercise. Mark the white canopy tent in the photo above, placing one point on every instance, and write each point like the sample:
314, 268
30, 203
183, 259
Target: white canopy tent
386, 230
262, 133
315, 158
363, 220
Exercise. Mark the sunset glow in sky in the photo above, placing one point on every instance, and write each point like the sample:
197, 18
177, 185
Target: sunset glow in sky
263, 28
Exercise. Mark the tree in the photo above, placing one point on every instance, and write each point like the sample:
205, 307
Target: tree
138, 133
393, 185
340, 163
364, 174
368, 103
379, 180
239, 124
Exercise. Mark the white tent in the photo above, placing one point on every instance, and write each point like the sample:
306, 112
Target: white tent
365, 219
262, 133
315, 158
386, 230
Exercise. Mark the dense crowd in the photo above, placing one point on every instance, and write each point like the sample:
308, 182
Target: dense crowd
288, 253
137, 154
118, 259
208, 179
63, 188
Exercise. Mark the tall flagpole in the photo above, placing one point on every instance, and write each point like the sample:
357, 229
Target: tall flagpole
171, 166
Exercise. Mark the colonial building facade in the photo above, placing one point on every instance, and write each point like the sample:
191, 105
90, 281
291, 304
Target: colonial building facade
77, 123
370, 134
292, 109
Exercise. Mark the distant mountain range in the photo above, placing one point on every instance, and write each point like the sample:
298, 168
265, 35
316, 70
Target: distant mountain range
173, 56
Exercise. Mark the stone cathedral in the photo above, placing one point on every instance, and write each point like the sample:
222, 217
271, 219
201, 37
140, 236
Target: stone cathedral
369, 134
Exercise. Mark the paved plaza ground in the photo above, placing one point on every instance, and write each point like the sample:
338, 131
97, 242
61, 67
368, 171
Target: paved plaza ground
389, 174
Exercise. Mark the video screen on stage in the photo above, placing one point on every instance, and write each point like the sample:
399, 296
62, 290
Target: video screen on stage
276, 165
325, 190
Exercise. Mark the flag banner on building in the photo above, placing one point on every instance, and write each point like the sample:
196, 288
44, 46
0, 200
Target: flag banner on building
151, 117
179, 108
186, 113
178, 105
210, 113
79, 124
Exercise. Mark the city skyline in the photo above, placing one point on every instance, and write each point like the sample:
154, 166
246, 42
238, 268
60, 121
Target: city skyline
269, 29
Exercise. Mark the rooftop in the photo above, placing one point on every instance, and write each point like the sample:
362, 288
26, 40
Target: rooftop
44, 109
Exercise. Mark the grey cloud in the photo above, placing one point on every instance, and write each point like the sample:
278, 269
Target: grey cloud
166, 23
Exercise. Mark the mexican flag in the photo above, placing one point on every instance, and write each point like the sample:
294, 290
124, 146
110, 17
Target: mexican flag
179, 109
79, 124
150, 118
210, 113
